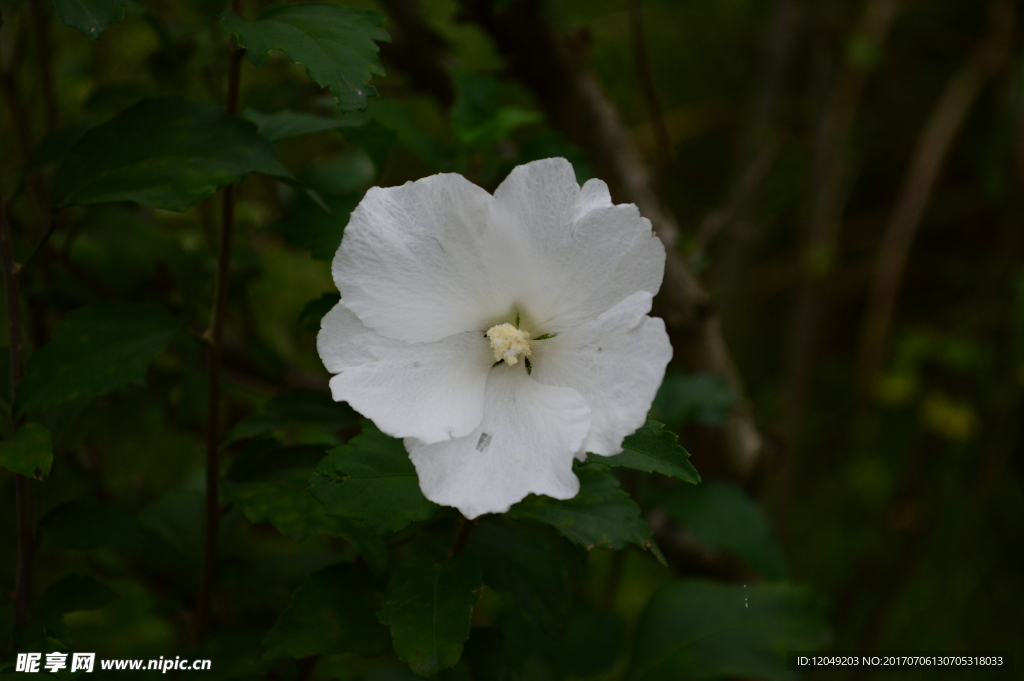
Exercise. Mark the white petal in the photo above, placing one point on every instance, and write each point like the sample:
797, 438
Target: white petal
616, 362
415, 261
583, 254
525, 444
430, 391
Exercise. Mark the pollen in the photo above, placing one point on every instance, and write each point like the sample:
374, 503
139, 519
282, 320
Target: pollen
508, 343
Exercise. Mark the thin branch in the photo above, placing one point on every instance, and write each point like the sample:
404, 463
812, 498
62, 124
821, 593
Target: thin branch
643, 69
22, 485
9, 85
919, 184
214, 336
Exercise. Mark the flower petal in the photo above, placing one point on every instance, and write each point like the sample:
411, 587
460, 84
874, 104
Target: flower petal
430, 391
583, 254
415, 261
616, 362
525, 444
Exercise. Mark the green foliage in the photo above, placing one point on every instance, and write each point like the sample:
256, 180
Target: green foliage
524, 567
601, 515
428, 605
91, 17
335, 44
703, 630
295, 407
308, 225
29, 451
371, 479
71, 593
285, 124
98, 348
313, 313
703, 398
653, 449
334, 612
167, 153
478, 119
86, 524
722, 517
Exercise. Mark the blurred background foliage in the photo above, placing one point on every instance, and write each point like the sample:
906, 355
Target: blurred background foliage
802, 146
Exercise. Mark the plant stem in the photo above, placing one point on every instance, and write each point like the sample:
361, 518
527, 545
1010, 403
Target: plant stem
214, 337
461, 537
22, 485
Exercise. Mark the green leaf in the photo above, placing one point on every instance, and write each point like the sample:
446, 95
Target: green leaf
295, 407
523, 566
375, 139
91, 17
308, 225
335, 44
477, 118
371, 479
86, 524
704, 398
722, 517
653, 449
163, 153
29, 452
286, 123
334, 612
95, 350
429, 607
601, 515
71, 593
313, 313
704, 630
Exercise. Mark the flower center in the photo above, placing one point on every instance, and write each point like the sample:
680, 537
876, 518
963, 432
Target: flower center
508, 343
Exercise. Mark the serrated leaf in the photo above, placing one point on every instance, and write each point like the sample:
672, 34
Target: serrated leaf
91, 17
336, 44
71, 593
703, 630
163, 153
86, 524
334, 612
429, 608
722, 517
295, 407
95, 350
522, 566
653, 449
308, 225
285, 124
29, 451
371, 479
601, 515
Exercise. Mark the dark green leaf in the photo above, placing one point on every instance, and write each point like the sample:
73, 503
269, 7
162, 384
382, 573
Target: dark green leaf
265, 457
295, 407
371, 479
592, 642
89, 524
286, 504
704, 630
98, 348
722, 517
653, 449
375, 139
314, 312
308, 225
71, 593
522, 566
163, 153
29, 451
335, 44
285, 124
334, 612
477, 118
601, 515
91, 17
429, 607
693, 397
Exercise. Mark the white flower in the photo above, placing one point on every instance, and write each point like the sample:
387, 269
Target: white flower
502, 335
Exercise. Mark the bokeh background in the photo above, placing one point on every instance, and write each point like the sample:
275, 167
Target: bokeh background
845, 179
